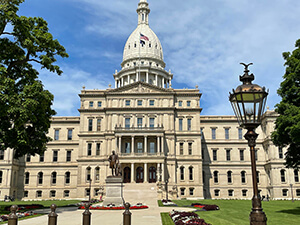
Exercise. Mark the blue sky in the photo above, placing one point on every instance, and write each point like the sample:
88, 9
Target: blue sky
203, 43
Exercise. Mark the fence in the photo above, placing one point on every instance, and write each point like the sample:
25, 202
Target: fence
52, 217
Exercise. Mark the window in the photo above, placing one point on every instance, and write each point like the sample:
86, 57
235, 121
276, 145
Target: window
213, 133
28, 157
243, 177
1, 154
190, 148
227, 133
40, 178
127, 103
52, 194
38, 194
191, 177
26, 177
140, 122
189, 124
256, 155
143, 17
242, 158
68, 156
182, 173
89, 149
280, 153
282, 175
55, 156
191, 191
70, 131
180, 103
127, 123
1, 177
96, 191
188, 103
56, 135
296, 176
25, 194
202, 134
230, 193
151, 122
53, 178
140, 147
217, 193
181, 148
67, 178
240, 131
66, 193
97, 174
140, 102
229, 177
98, 149
244, 193
99, 104
215, 156
180, 124
257, 176
127, 147
98, 124
182, 191
152, 147
88, 174
90, 128
216, 177
151, 102
91, 104
228, 154
284, 192
87, 192
42, 157
298, 192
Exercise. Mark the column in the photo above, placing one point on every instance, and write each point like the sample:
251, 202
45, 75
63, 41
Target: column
163, 144
163, 83
157, 172
116, 146
170, 83
147, 77
156, 81
120, 144
158, 144
116, 84
128, 79
132, 145
146, 144
163, 172
122, 80
145, 173
137, 76
132, 172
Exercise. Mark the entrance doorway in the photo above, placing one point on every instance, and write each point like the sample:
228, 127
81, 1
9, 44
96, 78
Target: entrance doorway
126, 178
152, 174
139, 175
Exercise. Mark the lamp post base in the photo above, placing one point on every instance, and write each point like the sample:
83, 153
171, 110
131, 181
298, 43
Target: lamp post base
258, 217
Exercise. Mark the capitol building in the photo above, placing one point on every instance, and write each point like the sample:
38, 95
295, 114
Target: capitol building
159, 135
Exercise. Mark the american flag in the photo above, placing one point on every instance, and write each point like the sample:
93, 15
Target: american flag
143, 37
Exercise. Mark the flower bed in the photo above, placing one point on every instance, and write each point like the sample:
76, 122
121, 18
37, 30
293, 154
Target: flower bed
22, 207
168, 202
19, 214
205, 207
182, 218
113, 207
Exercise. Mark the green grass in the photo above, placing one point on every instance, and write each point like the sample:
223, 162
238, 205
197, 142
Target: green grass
24, 218
236, 212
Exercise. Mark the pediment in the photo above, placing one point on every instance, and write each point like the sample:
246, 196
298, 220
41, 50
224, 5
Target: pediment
140, 87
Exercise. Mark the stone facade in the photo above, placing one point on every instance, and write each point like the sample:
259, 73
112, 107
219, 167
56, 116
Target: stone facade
159, 135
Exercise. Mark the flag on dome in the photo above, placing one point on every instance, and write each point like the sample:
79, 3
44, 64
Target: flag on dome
143, 38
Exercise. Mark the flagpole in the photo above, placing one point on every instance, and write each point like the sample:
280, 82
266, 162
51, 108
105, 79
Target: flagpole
140, 58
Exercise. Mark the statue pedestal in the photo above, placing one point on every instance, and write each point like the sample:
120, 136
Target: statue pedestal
114, 191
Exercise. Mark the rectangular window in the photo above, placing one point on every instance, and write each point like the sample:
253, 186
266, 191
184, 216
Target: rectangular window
296, 176
68, 156
140, 147
285, 192
66, 193
230, 193
180, 124
55, 156
228, 154
256, 155
152, 147
1, 154
87, 192
182, 190
151, 102
25, 194
180, 103
98, 124
52, 194
39, 194
140, 122
240, 130
140, 102
127, 103
99, 104
213, 133
127, 147
56, 135
191, 191
181, 148
244, 193
151, 122
89, 149
217, 193
98, 149
127, 123
42, 157
28, 158
70, 132
190, 149
280, 153
242, 158
227, 133
189, 124
91, 104
215, 155
90, 128
188, 103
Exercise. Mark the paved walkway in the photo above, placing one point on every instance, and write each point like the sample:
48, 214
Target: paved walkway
145, 193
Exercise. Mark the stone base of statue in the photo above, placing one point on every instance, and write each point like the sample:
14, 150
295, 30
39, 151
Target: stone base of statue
114, 191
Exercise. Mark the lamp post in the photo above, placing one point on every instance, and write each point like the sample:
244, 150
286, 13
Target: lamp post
248, 102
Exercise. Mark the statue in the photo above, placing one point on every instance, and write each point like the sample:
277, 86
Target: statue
114, 164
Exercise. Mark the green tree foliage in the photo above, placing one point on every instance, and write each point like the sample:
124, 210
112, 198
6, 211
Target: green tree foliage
287, 130
25, 107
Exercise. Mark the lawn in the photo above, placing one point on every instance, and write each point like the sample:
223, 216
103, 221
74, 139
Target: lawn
236, 212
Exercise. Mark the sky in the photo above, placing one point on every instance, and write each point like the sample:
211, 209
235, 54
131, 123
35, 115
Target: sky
203, 44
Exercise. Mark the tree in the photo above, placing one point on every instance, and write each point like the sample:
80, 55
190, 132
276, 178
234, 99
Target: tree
25, 107
287, 125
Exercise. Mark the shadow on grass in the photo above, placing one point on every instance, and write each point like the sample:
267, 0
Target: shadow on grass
295, 211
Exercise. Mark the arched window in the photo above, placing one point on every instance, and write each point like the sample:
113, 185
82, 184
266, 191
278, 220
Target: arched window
40, 178
26, 178
229, 177
182, 173
1, 175
67, 178
88, 174
282, 175
191, 176
296, 176
216, 177
53, 178
97, 174
243, 177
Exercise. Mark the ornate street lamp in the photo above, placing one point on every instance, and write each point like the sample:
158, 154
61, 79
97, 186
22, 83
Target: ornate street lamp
248, 102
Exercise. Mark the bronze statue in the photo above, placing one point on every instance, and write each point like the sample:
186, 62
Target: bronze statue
114, 164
